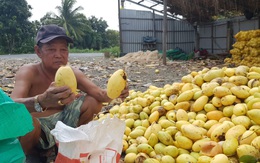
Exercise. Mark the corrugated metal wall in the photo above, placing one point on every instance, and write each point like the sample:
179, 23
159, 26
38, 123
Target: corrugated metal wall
137, 24
216, 37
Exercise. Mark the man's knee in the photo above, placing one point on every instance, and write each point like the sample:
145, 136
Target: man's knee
31, 139
89, 108
92, 103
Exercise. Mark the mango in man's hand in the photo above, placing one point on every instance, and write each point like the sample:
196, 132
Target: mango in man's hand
66, 77
116, 84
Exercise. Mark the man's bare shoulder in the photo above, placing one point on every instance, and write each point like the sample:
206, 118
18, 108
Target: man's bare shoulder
31, 68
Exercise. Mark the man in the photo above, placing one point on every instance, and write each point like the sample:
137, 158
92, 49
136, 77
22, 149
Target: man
47, 103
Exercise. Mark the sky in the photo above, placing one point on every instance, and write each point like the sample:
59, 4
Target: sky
105, 9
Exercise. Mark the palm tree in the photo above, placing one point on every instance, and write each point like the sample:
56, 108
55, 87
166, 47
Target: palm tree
73, 22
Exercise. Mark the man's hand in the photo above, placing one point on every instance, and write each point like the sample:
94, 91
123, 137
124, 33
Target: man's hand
124, 93
56, 96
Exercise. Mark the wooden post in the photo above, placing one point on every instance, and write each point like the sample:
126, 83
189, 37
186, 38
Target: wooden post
120, 32
164, 31
197, 44
212, 39
229, 36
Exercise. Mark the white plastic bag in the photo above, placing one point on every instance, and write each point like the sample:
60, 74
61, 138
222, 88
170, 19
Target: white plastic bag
95, 142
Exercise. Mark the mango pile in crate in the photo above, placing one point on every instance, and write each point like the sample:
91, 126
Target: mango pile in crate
246, 49
211, 116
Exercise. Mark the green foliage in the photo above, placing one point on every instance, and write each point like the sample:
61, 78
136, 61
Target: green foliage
247, 159
113, 37
113, 51
69, 18
75, 50
87, 33
16, 35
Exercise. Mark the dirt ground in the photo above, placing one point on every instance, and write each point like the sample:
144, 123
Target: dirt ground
140, 68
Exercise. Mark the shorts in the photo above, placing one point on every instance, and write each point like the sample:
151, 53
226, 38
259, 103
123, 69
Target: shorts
69, 116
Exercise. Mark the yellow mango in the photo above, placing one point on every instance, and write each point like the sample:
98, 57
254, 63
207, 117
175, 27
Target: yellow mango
182, 115
165, 123
240, 92
254, 115
235, 132
199, 104
153, 139
159, 148
220, 158
131, 149
151, 160
196, 147
216, 101
209, 123
187, 78
209, 107
228, 111
184, 158
213, 73
66, 77
255, 128
186, 87
221, 91
185, 105
247, 137
240, 109
228, 100
154, 117
171, 90
193, 132
136, 132
185, 96
130, 158
198, 80
171, 151
167, 159
184, 142
215, 115
207, 88
241, 70
253, 75
116, 84
228, 85
165, 138
144, 148
219, 131
256, 142
253, 83
238, 80
229, 72
243, 120
230, 146
168, 105
246, 149
256, 105
251, 102
204, 159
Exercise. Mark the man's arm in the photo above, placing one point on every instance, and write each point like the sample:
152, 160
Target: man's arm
27, 86
20, 93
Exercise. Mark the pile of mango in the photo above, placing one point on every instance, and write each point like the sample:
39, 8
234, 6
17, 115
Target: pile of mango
210, 116
246, 49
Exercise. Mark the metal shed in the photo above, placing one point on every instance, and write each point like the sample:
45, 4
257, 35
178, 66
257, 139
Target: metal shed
216, 37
